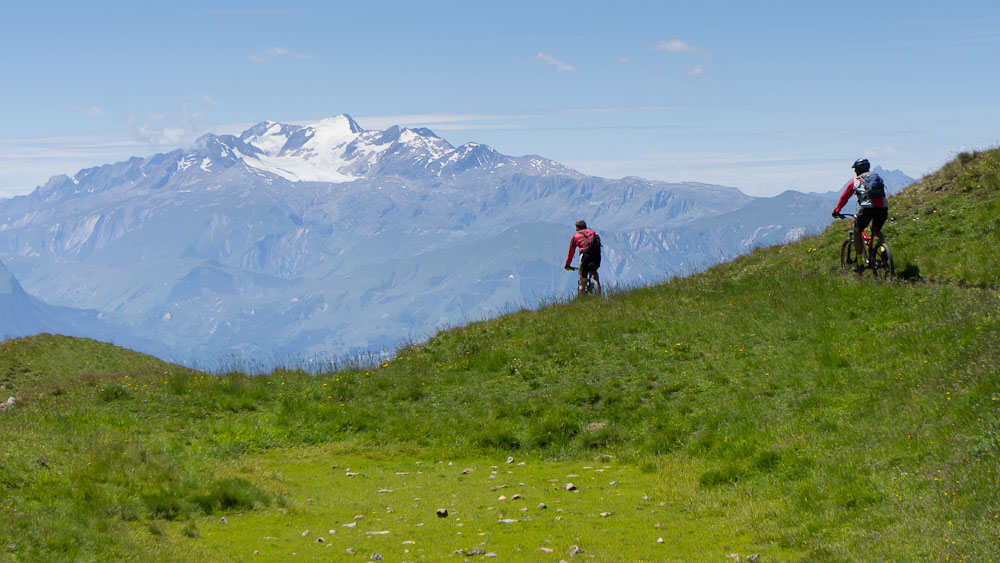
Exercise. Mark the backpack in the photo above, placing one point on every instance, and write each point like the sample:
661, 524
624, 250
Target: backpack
869, 189
590, 244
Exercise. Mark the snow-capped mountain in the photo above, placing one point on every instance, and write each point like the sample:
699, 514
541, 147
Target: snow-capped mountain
329, 239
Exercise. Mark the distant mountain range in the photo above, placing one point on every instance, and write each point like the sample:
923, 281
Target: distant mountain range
24, 315
895, 180
293, 242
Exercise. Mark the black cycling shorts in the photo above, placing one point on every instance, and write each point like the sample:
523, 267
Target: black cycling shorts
589, 264
875, 216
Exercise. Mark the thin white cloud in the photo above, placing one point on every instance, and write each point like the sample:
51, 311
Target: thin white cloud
675, 46
169, 129
550, 60
697, 71
92, 111
623, 60
273, 53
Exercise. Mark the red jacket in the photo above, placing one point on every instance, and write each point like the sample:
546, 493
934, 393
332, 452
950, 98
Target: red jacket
849, 191
574, 243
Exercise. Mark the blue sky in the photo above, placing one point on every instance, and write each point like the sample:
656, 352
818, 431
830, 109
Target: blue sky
764, 96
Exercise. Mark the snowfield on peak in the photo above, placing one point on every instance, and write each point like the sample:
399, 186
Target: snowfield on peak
338, 150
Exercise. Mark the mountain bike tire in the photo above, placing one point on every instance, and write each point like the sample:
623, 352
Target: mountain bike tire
848, 258
594, 287
884, 266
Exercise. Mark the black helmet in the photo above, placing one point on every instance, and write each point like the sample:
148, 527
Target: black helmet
861, 166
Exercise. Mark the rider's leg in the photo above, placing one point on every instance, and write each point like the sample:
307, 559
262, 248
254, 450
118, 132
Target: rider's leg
859, 243
861, 222
877, 221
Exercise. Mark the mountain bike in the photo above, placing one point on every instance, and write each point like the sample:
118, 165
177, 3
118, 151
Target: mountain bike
876, 258
593, 286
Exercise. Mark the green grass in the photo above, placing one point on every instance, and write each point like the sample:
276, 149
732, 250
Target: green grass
769, 405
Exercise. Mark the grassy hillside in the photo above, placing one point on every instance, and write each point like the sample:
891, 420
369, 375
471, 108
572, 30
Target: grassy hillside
768, 405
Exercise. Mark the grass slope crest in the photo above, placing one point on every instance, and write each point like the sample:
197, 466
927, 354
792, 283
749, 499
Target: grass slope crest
767, 406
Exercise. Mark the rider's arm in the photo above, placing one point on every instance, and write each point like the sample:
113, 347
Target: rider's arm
572, 247
845, 197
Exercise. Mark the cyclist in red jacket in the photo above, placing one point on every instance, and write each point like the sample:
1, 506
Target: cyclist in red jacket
873, 205
589, 243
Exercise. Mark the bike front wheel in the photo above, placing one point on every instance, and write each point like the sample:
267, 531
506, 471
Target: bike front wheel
848, 257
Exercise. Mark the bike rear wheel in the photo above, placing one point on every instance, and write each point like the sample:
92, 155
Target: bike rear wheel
848, 257
594, 287
883, 267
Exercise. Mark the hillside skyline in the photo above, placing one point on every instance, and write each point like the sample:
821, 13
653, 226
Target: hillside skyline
762, 99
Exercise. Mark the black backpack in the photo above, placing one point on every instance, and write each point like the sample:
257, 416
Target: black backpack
869, 189
591, 243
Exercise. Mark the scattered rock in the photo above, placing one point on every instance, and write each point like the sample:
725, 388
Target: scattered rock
605, 514
401, 473
507, 521
256, 552
476, 551
657, 525
350, 525
409, 542
521, 463
558, 517
753, 558
359, 517
382, 491
9, 402
349, 551
546, 549
542, 506
331, 532
466, 471
659, 540
516, 496
575, 550
498, 487
320, 540
509, 459
442, 513
351, 474
376, 557
382, 533
223, 520
305, 533
570, 487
